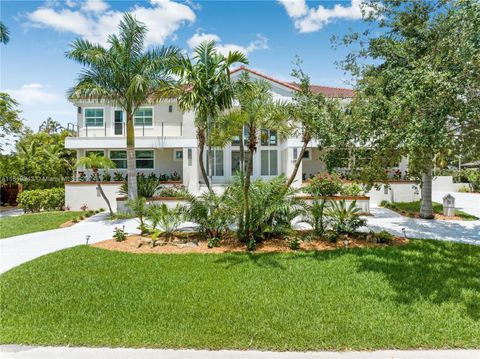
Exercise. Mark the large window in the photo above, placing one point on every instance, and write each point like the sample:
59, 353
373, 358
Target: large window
236, 139
269, 165
236, 161
217, 163
143, 117
94, 117
119, 158
268, 138
144, 159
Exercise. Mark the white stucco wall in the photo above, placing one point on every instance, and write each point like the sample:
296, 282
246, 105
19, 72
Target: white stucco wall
445, 183
86, 193
394, 192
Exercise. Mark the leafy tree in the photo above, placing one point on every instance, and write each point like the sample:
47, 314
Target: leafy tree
10, 123
419, 96
4, 34
50, 126
95, 162
205, 88
312, 116
124, 74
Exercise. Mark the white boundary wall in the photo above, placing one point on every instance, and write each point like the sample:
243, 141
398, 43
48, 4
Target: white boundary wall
78, 194
445, 183
394, 192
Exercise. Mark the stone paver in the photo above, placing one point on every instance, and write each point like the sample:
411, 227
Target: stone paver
22, 352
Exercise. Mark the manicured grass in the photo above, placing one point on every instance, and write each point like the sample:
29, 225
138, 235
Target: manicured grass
29, 223
413, 208
422, 295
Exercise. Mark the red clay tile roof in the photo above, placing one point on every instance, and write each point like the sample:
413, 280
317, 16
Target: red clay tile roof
328, 91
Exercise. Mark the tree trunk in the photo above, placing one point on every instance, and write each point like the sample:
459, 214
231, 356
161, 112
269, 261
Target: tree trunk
131, 165
426, 209
210, 153
201, 147
306, 141
252, 145
100, 189
241, 219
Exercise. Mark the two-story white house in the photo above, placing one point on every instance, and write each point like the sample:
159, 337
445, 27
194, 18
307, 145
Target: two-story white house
165, 139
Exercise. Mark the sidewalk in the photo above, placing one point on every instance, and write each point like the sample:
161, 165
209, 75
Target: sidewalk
24, 352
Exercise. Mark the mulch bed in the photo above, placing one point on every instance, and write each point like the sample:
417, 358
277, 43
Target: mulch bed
193, 244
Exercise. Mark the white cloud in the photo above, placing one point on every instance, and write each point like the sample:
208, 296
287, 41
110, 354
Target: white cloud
33, 94
310, 19
94, 20
260, 43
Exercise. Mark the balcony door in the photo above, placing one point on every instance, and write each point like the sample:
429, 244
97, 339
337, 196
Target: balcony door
118, 126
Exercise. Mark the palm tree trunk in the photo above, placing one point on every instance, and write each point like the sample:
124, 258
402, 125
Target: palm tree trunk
210, 154
100, 189
246, 189
426, 209
201, 147
306, 140
131, 165
241, 219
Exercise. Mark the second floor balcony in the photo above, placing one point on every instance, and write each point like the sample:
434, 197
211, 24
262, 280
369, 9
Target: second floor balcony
163, 129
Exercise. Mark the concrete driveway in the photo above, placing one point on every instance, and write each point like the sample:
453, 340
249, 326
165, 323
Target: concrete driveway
467, 202
20, 249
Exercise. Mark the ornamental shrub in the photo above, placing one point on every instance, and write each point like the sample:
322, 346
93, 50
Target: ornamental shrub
324, 185
351, 189
42, 199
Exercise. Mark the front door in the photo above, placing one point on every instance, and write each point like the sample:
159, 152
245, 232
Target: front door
118, 123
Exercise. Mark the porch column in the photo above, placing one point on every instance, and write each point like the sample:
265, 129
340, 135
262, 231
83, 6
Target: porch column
292, 154
403, 165
191, 169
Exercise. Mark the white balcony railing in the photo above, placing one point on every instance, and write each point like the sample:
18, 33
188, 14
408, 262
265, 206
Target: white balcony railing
164, 129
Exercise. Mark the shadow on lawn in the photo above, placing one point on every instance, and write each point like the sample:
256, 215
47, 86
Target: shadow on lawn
434, 271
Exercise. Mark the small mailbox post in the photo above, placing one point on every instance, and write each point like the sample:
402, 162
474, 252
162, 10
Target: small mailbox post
449, 205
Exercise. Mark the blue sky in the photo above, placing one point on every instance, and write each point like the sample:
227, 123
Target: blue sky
34, 70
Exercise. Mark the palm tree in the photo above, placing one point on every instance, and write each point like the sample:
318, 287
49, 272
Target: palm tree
50, 126
205, 88
94, 162
125, 75
257, 111
4, 34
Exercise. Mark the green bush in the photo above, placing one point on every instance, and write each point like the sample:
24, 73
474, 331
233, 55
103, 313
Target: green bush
42, 199
351, 189
343, 219
147, 187
464, 189
324, 185
165, 221
213, 242
383, 237
473, 177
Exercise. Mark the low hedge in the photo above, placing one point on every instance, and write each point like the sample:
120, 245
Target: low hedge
42, 199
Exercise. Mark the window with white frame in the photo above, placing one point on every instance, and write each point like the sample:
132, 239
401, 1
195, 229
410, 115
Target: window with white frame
236, 161
269, 162
268, 138
119, 158
236, 139
178, 154
144, 159
93, 117
143, 117
217, 163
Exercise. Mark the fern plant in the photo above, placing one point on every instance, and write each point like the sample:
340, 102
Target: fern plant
164, 221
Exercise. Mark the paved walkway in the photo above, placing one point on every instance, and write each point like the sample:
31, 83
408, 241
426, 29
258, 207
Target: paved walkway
10, 212
20, 249
23, 352
454, 231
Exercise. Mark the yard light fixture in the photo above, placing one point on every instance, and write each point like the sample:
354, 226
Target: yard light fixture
404, 232
87, 238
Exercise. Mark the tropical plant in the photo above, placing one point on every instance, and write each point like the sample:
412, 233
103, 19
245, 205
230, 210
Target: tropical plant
119, 234
10, 122
314, 216
4, 33
351, 189
124, 74
94, 162
324, 185
139, 208
165, 221
343, 219
210, 211
147, 187
205, 88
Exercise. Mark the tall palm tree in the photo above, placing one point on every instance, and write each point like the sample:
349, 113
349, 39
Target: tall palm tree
205, 88
95, 162
4, 34
257, 111
125, 75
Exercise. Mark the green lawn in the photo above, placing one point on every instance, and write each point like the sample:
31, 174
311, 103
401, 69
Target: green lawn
29, 223
422, 295
413, 208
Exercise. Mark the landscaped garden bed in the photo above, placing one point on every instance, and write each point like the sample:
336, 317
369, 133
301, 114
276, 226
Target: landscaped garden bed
194, 243
412, 209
